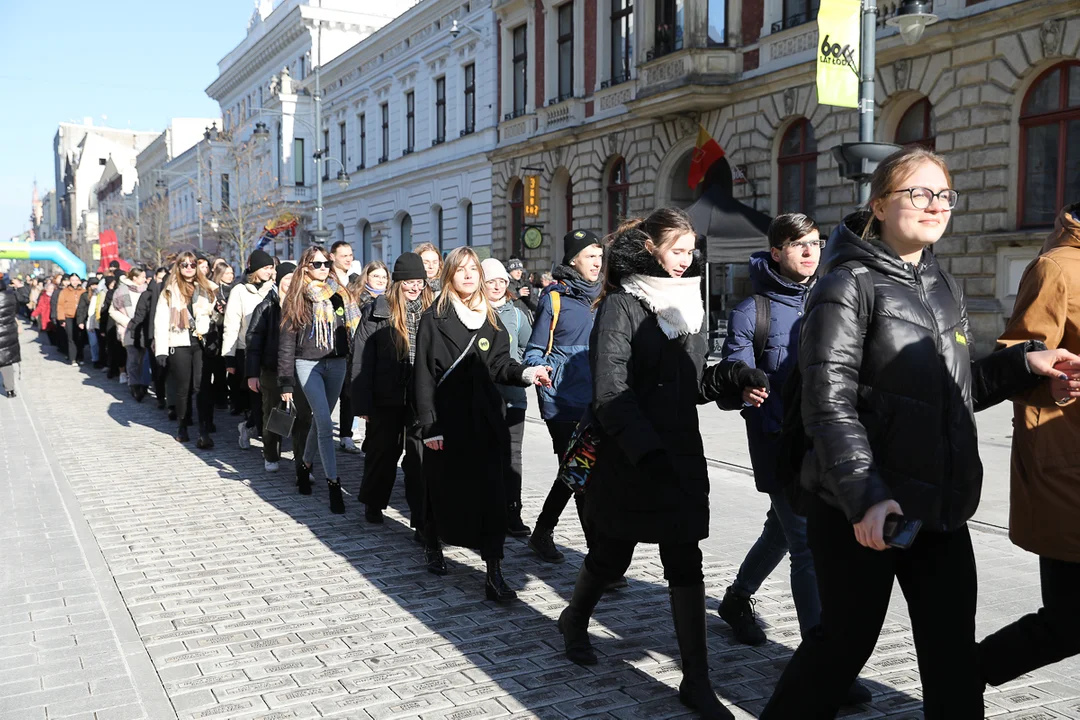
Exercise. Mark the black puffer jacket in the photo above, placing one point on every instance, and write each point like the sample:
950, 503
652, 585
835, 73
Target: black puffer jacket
889, 397
10, 353
380, 378
646, 389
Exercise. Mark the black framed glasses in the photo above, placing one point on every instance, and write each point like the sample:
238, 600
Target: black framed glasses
321, 264
188, 265
922, 197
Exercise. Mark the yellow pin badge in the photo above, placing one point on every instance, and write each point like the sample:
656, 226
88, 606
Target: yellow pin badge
484, 344
961, 338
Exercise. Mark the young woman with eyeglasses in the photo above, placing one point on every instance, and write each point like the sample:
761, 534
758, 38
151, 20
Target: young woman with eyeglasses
318, 320
182, 320
889, 392
462, 351
382, 374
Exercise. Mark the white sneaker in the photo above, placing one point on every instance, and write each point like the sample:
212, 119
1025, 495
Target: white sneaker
349, 446
270, 466
245, 436
123, 378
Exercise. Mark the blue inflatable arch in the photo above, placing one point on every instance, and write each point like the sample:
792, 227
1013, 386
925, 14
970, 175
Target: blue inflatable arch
50, 250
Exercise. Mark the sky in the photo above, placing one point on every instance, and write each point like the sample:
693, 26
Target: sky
125, 63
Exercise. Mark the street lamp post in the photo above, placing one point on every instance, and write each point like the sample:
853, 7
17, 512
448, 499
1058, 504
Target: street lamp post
859, 160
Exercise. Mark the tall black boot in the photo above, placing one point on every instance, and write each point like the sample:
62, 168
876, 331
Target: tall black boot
495, 586
695, 691
303, 478
574, 620
337, 502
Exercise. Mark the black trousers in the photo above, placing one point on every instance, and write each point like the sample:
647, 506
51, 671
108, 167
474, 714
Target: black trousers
609, 559
515, 421
253, 413
1040, 638
71, 329
117, 352
301, 425
159, 376
345, 412
239, 395
270, 398
937, 576
186, 365
560, 493
220, 383
387, 434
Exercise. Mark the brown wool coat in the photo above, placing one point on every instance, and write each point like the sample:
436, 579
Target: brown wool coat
1045, 508
69, 302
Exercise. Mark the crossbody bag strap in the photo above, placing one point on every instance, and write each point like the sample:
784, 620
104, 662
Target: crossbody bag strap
459, 359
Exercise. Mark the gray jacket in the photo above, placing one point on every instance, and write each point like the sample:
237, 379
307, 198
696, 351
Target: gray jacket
517, 324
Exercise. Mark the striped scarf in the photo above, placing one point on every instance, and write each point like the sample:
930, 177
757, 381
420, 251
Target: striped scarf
323, 316
413, 310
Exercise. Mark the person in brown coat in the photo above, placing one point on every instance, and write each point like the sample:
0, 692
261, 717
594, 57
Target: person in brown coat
66, 312
1044, 514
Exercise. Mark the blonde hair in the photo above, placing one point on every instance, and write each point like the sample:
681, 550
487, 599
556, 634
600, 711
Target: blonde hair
886, 179
458, 257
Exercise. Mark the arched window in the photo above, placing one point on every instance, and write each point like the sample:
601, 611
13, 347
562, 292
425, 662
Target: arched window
569, 206
437, 229
406, 234
468, 212
1050, 145
517, 217
797, 164
618, 194
917, 126
367, 252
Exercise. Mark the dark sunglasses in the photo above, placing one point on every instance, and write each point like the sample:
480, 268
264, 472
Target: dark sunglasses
320, 264
188, 265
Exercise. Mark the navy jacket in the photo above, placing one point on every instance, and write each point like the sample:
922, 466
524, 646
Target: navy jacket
787, 301
571, 390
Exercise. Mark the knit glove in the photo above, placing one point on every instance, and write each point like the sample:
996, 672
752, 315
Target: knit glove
749, 377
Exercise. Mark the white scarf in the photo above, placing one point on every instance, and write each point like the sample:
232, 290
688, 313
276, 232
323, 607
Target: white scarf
676, 301
471, 318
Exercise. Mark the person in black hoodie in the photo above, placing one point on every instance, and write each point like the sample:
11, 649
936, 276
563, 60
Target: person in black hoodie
889, 392
381, 386
260, 363
649, 482
462, 351
10, 352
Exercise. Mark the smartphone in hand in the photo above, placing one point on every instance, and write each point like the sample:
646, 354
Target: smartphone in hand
899, 532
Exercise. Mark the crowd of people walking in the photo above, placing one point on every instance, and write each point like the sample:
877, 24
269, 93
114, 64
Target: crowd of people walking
852, 364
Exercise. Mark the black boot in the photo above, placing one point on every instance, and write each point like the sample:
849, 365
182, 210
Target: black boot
373, 515
738, 612
337, 502
695, 691
543, 544
303, 478
436, 563
514, 526
172, 413
181, 433
139, 392
495, 586
205, 442
574, 620
161, 403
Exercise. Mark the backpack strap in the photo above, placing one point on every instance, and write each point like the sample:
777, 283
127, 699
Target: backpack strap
556, 303
762, 325
867, 295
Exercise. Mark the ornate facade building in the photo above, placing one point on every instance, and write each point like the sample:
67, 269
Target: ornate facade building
601, 101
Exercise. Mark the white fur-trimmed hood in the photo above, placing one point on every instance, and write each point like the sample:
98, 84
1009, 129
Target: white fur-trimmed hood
676, 301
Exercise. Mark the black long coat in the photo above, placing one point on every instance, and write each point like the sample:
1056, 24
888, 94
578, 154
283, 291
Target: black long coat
380, 377
10, 352
646, 389
465, 479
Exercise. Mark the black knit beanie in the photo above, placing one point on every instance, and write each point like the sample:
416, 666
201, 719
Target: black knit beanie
409, 266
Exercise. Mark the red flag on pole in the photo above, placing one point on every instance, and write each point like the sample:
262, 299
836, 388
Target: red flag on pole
706, 153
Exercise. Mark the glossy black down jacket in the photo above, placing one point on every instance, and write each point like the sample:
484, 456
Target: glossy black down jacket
646, 389
889, 399
10, 353
380, 377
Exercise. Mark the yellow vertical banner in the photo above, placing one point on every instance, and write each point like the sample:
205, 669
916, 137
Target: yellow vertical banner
839, 23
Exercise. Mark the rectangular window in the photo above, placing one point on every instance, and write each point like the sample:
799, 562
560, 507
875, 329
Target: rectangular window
384, 109
363, 143
798, 12
566, 51
470, 98
341, 144
225, 195
622, 40
669, 27
440, 111
410, 122
322, 152
717, 22
298, 162
521, 69
302, 67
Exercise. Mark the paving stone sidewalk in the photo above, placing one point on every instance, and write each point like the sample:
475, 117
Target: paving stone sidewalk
251, 601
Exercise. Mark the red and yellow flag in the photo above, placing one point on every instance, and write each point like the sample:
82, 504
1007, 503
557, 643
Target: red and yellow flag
706, 153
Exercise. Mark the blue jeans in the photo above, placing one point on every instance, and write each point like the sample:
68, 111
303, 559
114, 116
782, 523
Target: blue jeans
321, 381
784, 533
95, 350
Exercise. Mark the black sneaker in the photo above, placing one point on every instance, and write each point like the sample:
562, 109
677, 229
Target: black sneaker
738, 612
543, 544
373, 515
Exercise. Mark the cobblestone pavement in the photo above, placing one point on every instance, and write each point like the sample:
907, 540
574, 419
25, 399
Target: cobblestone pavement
137, 569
